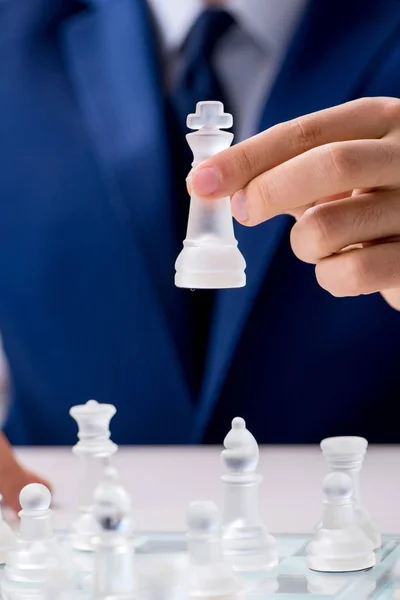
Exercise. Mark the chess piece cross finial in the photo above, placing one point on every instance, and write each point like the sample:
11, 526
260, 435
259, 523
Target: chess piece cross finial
210, 114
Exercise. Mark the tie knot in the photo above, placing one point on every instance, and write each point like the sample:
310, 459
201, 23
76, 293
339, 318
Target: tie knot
209, 28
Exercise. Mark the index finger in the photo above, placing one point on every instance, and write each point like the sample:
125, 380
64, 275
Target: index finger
231, 170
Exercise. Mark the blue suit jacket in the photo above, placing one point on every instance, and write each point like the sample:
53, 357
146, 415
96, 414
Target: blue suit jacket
88, 241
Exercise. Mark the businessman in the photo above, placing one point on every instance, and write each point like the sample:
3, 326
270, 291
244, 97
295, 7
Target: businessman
93, 101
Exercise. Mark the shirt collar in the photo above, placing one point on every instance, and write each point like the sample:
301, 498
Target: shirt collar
268, 22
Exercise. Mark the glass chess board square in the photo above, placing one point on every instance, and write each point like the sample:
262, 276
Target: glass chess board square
161, 554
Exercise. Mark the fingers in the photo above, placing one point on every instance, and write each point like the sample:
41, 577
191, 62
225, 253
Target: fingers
233, 169
11, 486
32, 477
13, 476
361, 271
328, 228
328, 170
325, 232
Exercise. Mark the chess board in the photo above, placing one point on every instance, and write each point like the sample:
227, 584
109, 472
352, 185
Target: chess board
161, 560
292, 580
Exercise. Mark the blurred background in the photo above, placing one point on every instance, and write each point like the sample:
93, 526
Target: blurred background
94, 97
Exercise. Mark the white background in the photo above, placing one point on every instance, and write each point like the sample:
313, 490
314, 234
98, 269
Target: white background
162, 481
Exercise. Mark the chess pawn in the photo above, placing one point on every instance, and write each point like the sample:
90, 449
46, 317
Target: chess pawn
209, 575
36, 555
113, 575
7, 538
94, 449
346, 454
340, 545
210, 257
246, 541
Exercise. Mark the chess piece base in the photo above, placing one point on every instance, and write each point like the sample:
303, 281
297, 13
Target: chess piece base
205, 267
212, 581
249, 549
340, 551
210, 267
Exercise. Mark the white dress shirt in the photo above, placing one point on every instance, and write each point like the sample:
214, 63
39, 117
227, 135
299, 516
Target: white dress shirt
249, 57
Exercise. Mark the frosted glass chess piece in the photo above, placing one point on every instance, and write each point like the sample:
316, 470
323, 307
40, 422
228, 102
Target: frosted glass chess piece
36, 557
209, 575
245, 539
210, 257
95, 450
346, 454
7, 537
340, 545
114, 565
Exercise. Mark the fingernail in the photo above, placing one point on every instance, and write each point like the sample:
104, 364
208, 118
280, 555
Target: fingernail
189, 183
239, 208
204, 181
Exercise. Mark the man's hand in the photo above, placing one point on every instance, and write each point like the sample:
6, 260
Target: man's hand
13, 476
337, 172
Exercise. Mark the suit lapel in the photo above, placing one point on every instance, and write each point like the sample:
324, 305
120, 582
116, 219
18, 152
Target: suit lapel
110, 54
327, 63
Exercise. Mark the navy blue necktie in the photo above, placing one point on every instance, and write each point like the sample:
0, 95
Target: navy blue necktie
197, 81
